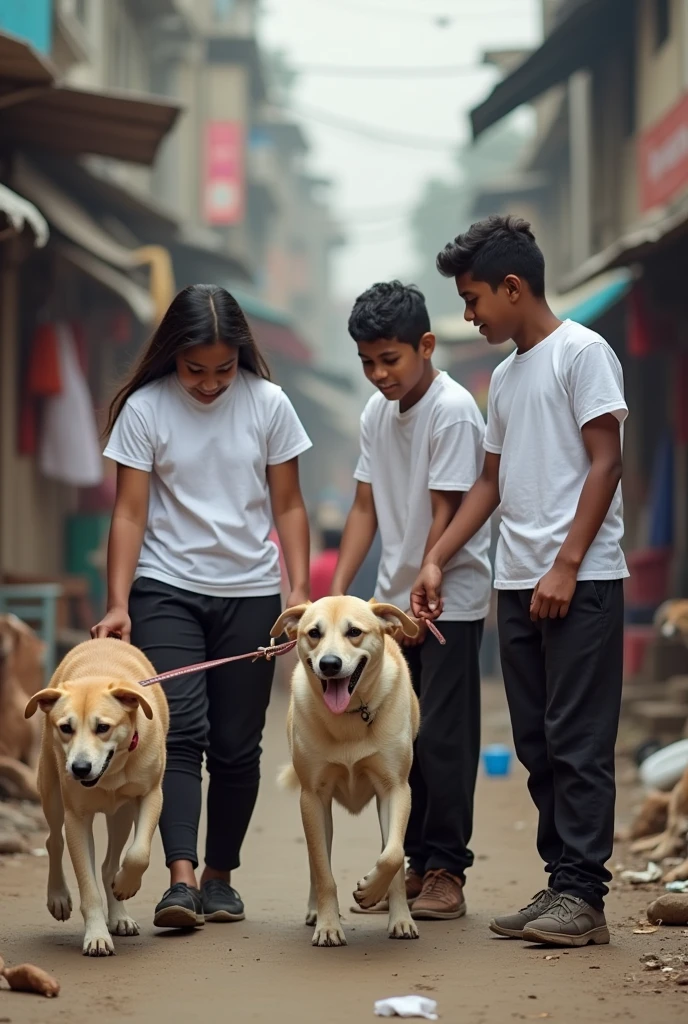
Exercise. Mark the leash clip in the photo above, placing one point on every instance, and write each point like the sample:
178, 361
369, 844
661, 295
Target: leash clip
266, 652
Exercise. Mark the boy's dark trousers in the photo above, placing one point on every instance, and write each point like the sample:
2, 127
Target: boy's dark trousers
563, 682
447, 750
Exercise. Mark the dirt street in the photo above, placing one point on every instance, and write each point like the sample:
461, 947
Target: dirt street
266, 970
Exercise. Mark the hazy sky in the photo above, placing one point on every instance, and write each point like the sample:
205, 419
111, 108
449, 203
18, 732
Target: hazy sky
375, 183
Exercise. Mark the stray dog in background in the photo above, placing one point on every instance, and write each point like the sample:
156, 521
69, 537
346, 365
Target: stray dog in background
353, 717
673, 841
21, 668
103, 751
671, 620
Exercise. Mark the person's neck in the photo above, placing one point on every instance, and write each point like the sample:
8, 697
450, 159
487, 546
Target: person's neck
420, 390
539, 325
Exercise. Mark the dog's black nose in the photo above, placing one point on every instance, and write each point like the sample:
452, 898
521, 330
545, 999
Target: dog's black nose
330, 665
81, 769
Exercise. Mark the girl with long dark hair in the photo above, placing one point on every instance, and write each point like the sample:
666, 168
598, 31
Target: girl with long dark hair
207, 458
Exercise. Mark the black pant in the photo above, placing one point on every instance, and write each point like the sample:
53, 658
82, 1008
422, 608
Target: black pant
447, 750
220, 713
563, 684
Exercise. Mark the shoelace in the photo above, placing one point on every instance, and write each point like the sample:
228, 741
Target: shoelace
216, 887
177, 888
539, 897
564, 907
439, 883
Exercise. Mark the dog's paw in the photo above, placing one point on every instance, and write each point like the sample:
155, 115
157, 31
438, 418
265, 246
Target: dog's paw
311, 918
60, 904
122, 924
127, 883
404, 928
98, 943
372, 889
329, 935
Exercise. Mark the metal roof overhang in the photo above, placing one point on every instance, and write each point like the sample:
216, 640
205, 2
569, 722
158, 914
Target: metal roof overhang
582, 32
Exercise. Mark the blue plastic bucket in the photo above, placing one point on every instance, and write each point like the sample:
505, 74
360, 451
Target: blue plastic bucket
497, 760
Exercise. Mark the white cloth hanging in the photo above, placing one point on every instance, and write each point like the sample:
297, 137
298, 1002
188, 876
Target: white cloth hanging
69, 445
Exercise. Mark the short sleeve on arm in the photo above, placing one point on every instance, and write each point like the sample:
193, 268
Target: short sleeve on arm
494, 432
596, 384
286, 437
455, 457
362, 471
130, 442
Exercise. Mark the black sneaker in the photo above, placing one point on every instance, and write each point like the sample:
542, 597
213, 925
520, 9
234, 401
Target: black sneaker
180, 907
221, 902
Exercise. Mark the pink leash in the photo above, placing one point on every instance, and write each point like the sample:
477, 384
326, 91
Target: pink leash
273, 651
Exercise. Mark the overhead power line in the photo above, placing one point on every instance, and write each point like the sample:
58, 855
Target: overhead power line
374, 132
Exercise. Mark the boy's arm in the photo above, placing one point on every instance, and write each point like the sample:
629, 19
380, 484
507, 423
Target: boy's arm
475, 509
359, 534
602, 439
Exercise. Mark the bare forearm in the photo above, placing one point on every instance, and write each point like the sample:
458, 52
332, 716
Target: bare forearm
294, 534
124, 547
444, 508
595, 498
359, 534
475, 510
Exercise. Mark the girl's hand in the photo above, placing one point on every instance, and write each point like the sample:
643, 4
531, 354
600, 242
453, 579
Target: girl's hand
116, 623
299, 595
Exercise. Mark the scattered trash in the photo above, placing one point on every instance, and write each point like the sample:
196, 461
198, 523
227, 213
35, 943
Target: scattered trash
669, 909
653, 873
551, 957
677, 886
646, 929
407, 1006
29, 978
39, 851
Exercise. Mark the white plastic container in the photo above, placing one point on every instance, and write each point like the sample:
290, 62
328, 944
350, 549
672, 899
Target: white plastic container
663, 769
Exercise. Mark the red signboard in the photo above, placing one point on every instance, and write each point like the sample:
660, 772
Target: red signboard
664, 158
223, 198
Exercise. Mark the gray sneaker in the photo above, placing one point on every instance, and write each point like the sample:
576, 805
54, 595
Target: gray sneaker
511, 926
568, 921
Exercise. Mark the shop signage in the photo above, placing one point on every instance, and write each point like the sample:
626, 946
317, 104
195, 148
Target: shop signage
663, 153
223, 199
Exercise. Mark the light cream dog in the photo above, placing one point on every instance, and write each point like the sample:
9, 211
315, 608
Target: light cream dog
352, 720
103, 751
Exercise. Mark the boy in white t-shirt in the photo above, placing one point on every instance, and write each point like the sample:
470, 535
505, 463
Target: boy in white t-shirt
553, 466
421, 451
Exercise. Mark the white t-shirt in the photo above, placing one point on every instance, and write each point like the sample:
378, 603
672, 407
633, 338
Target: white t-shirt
538, 403
209, 516
436, 445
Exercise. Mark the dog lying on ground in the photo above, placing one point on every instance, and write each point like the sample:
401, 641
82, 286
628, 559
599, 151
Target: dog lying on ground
103, 751
21, 670
673, 841
353, 717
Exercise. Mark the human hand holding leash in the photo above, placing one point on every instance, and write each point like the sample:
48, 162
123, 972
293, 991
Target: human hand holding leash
426, 599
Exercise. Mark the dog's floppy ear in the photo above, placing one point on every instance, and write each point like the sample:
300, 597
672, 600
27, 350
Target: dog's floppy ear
131, 699
44, 699
393, 618
288, 621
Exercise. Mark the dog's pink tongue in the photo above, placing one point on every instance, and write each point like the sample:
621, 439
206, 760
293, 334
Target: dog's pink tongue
337, 695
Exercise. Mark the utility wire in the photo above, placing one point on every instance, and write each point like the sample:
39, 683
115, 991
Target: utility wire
375, 133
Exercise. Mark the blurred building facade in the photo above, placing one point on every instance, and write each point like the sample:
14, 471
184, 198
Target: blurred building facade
142, 149
605, 184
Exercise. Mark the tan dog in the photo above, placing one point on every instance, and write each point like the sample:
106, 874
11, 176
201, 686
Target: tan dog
671, 620
352, 720
21, 669
673, 841
103, 751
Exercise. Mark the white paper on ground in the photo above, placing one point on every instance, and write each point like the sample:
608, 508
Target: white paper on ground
407, 1006
653, 874
677, 886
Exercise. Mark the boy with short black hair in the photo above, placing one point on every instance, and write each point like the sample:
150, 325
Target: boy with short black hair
553, 466
421, 451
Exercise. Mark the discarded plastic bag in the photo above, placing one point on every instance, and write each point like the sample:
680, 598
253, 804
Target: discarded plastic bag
407, 1006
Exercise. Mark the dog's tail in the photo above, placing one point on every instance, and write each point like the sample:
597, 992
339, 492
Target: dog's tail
287, 778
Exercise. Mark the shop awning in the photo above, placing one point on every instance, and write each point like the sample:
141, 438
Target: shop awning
273, 328
21, 65
18, 213
585, 304
137, 298
580, 34
76, 121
